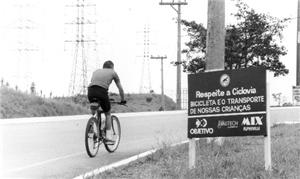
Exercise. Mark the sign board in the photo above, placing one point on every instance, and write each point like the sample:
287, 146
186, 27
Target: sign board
227, 103
296, 93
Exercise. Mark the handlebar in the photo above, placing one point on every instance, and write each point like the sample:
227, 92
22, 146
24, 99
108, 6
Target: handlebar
118, 102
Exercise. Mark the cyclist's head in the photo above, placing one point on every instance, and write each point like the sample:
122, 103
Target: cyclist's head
108, 64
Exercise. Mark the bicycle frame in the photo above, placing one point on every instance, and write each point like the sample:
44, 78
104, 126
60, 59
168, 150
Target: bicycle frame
97, 115
98, 133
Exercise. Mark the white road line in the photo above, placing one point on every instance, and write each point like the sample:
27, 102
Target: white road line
288, 122
43, 162
281, 107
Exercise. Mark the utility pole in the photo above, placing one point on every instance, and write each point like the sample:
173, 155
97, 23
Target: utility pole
215, 35
215, 51
296, 89
298, 46
162, 79
178, 11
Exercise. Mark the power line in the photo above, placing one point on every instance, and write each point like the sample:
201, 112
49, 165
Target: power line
78, 81
178, 11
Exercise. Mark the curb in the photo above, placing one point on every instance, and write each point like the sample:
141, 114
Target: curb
100, 170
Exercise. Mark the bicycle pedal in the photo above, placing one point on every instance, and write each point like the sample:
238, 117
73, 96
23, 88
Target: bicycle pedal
108, 142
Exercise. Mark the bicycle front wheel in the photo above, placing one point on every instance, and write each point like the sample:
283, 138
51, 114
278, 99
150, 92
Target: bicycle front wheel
92, 141
116, 135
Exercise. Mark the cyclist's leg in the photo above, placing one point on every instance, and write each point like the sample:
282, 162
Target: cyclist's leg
105, 105
108, 120
109, 131
101, 95
92, 95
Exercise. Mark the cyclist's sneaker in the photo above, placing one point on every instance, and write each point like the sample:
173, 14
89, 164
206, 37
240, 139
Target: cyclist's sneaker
109, 137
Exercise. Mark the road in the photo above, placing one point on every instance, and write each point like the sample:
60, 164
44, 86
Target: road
56, 149
53, 147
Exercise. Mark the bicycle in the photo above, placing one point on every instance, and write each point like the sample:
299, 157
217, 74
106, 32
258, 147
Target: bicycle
96, 131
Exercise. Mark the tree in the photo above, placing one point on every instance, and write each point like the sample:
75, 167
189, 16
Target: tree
252, 41
277, 97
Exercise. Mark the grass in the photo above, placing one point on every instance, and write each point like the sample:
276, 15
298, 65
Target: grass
16, 104
238, 157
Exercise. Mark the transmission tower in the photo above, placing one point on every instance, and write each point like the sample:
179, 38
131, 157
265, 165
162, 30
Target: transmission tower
83, 42
27, 46
145, 84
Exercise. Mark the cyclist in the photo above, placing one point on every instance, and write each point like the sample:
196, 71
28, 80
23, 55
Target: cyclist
98, 91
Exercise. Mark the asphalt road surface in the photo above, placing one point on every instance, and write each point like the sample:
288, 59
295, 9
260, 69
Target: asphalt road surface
56, 149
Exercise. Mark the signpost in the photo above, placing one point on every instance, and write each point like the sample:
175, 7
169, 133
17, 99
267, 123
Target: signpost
229, 103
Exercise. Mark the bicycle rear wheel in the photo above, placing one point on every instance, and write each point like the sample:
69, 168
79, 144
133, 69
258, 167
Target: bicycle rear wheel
92, 141
116, 128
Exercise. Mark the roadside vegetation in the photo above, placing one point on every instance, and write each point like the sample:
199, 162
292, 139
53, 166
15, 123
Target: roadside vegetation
254, 40
238, 157
16, 104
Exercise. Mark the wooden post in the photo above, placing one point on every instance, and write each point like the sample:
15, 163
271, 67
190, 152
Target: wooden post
267, 139
215, 51
192, 153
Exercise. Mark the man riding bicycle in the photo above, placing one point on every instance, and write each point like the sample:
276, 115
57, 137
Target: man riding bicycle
98, 91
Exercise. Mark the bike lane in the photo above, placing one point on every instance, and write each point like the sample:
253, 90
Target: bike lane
56, 149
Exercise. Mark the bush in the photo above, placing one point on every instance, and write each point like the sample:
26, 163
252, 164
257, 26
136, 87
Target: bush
17, 104
287, 104
148, 99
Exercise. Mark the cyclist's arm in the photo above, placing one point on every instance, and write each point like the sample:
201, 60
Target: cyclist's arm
118, 83
121, 91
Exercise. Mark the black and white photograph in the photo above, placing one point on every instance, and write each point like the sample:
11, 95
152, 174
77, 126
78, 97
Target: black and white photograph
198, 89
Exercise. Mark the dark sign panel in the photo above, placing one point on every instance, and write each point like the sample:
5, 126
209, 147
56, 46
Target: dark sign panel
218, 95
225, 126
232, 91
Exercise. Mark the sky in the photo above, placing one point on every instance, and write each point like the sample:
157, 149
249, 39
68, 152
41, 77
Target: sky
119, 35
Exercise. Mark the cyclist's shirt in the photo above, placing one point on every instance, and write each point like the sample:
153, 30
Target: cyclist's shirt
103, 77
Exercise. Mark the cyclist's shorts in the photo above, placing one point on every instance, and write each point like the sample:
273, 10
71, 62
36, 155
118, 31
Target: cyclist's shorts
99, 94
